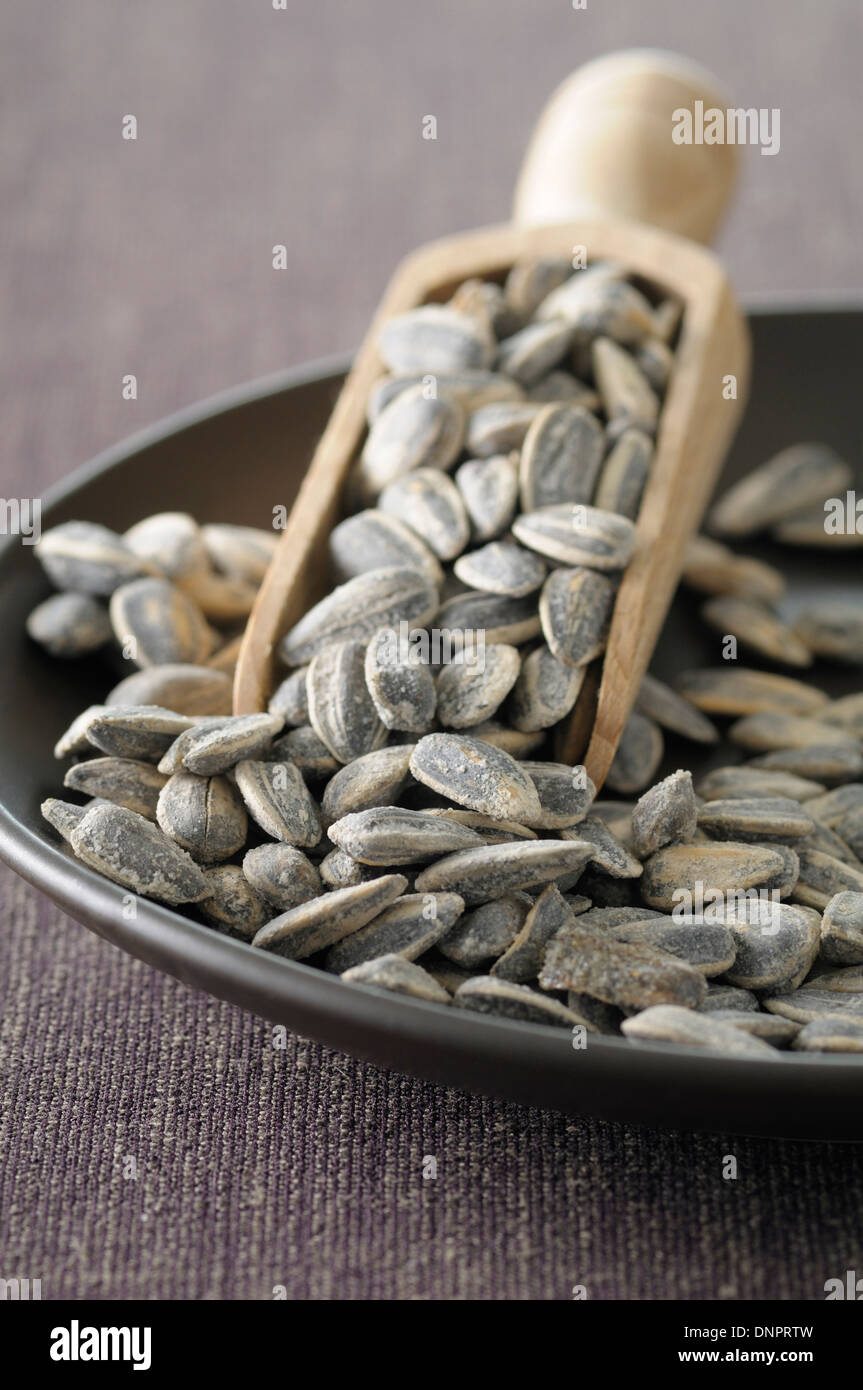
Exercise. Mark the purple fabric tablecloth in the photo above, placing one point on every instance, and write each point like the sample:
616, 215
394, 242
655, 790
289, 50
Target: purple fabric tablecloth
152, 1141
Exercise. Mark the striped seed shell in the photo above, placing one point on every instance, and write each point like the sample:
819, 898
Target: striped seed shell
758, 819
131, 851
814, 527
847, 712
485, 933
830, 1035
666, 814
560, 458
561, 386
667, 1023
435, 338
814, 1004
776, 945
341, 710
501, 567
429, 502
529, 282
493, 832
398, 975
842, 929
472, 388
277, 800
725, 783
219, 598
374, 538
480, 875
74, 740
402, 689
822, 876
829, 763
753, 624
627, 396
171, 542
63, 816
521, 962
240, 552
159, 623
624, 473
389, 835
181, 687
203, 815
339, 870
289, 699
489, 490
532, 351
709, 946
123, 781
833, 630
89, 559
470, 692
316, 925
575, 613
674, 712
476, 775
545, 691
144, 732
500, 427
415, 430
303, 747
511, 741
215, 745
487, 994
282, 875
70, 625
376, 779
565, 794
231, 904
656, 360
511, 620
600, 304
357, 609
760, 733
725, 867
787, 483
407, 928
609, 853
737, 690
639, 754
578, 535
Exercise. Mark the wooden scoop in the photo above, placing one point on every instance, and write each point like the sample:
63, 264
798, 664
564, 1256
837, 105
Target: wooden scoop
605, 145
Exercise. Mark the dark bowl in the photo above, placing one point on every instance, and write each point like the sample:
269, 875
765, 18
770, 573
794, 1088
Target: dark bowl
234, 458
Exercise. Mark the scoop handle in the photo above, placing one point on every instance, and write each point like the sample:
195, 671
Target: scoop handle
604, 147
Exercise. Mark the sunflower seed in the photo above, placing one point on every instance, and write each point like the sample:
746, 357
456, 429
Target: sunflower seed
638, 756
758, 819
709, 946
833, 630
62, 815
219, 598
761, 733
133, 852
122, 781
665, 814
530, 282
627, 396
624, 474
143, 732
372, 539
488, 995
483, 301
357, 609
847, 713
842, 929
776, 945
830, 1035
303, 747
203, 815
398, 975
480, 875
471, 388
565, 794
828, 842
501, 567
74, 740
546, 691
171, 542
489, 490
656, 360
89, 559
282, 875
508, 620
578, 535
560, 386
341, 710
320, 923
740, 691
712, 568
429, 502
339, 870
70, 625
476, 775
434, 338
725, 867
241, 552
493, 832
231, 903
848, 980
727, 999
666, 1023
560, 459
388, 835
823, 762
600, 304
773, 1029
410, 926
531, 352
289, 699
575, 612
469, 694
484, 934
727, 783
415, 430
609, 854
822, 877
500, 427
402, 690
179, 687
159, 623
787, 483
755, 626
630, 976
812, 1004
674, 712
376, 779
278, 801
215, 745
521, 961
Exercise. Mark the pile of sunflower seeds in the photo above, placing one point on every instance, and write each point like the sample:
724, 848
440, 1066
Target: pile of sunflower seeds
386, 819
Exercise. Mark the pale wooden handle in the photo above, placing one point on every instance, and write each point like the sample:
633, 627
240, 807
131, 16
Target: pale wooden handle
604, 147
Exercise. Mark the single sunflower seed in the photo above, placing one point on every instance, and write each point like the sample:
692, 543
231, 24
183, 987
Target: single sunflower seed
624, 474
489, 995
501, 567
489, 490
678, 872
787, 483
578, 535
178, 686
639, 753
374, 538
316, 925
712, 568
560, 458
70, 625
480, 875
667, 1023
521, 961
476, 775
666, 814
215, 745
158, 624
400, 684
356, 610
89, 559
630, 401
501, 619
428, 501
390, 835
143, 732
341, 710
760, 819
630, 976
278, 801
282, 875
674, 712
434, 338
408, 928
533, 350
575, 612
500, 427
399, 976
833, 630
468, 693
123, 781
485, 933
231, 903
753, 624
131, 851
